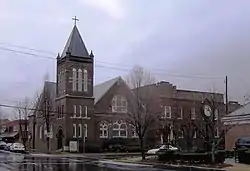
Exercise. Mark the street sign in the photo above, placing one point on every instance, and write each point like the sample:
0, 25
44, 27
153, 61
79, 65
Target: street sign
48, 134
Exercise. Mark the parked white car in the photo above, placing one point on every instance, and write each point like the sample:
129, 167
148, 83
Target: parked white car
155, 150
7, 146
2, 145
17, 147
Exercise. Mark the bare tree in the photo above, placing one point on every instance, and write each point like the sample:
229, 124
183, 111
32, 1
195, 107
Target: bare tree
2, 117
189, 132
211, 129
168, 130
44, 110
24, 110
141, 116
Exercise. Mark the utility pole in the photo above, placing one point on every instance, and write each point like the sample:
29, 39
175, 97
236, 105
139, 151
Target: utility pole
226, 96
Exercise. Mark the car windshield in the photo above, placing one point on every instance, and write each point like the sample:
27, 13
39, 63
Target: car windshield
245, 140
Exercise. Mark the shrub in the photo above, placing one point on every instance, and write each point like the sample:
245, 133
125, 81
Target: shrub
92, 148
244, 155
134, 149
229, 153
175, 156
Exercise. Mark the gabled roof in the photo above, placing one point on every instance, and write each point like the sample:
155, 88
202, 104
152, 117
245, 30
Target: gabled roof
75, 45
244, 110
239, 116
101, 89
51, 88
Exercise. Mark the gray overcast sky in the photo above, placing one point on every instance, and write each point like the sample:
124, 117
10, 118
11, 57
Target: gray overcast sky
203, 38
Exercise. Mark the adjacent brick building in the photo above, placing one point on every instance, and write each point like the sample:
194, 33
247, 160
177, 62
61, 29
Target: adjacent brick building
91, 115
14, 131
239, 123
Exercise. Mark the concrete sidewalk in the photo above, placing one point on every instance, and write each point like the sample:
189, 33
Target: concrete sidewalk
237, 166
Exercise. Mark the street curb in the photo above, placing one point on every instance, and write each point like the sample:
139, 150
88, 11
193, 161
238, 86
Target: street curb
9, 152
112, 164
6, 166
185, 168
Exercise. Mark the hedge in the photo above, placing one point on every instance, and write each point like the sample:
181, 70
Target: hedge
172, 156
244, 155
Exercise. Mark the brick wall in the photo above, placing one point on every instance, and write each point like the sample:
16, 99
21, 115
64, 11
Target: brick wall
233, 134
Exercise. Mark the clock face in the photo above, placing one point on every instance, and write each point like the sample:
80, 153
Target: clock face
207, 110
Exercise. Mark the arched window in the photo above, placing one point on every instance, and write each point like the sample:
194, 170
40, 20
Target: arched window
59, 82
41, 132
134, 133
119, 104
85, 80
181, 133
104, 130
74, 77
79, 80
50, 130
120, 129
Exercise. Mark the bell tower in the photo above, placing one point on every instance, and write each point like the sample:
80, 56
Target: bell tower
75, 102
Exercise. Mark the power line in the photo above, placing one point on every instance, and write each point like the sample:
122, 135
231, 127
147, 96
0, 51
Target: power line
160, 72
32, 49
38, 110
54, 54
26, 53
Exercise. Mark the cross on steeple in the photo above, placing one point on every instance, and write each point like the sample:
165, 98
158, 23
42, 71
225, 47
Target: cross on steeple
75, 20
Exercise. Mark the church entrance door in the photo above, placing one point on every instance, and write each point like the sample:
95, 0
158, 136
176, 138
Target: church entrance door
60, 139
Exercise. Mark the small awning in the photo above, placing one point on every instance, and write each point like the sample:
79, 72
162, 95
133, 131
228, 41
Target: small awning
8, 135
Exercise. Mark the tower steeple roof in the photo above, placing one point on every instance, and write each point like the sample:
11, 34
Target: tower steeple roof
75, 45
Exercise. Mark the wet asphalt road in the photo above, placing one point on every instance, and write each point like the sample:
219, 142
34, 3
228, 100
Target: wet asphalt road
20, 162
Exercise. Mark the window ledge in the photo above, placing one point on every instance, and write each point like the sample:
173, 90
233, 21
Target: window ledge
120, 136
164, 117
74, 117
103, 136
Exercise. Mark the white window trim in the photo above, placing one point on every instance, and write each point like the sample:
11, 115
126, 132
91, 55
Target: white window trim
74, 79
79, 80
195, 135
193, 113
85, 130
181, 113
167, 113
85, 80
85, 111
182, 135
216, 115
134, 133
119, 129
119, 108
41, 132
75, 111
103, 129
80, 110
80, 130
74, 130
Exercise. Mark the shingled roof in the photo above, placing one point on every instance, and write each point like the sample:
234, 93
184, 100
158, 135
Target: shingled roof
75, 45
101, 89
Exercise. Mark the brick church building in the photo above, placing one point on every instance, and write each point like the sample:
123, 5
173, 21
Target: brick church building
84, 115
